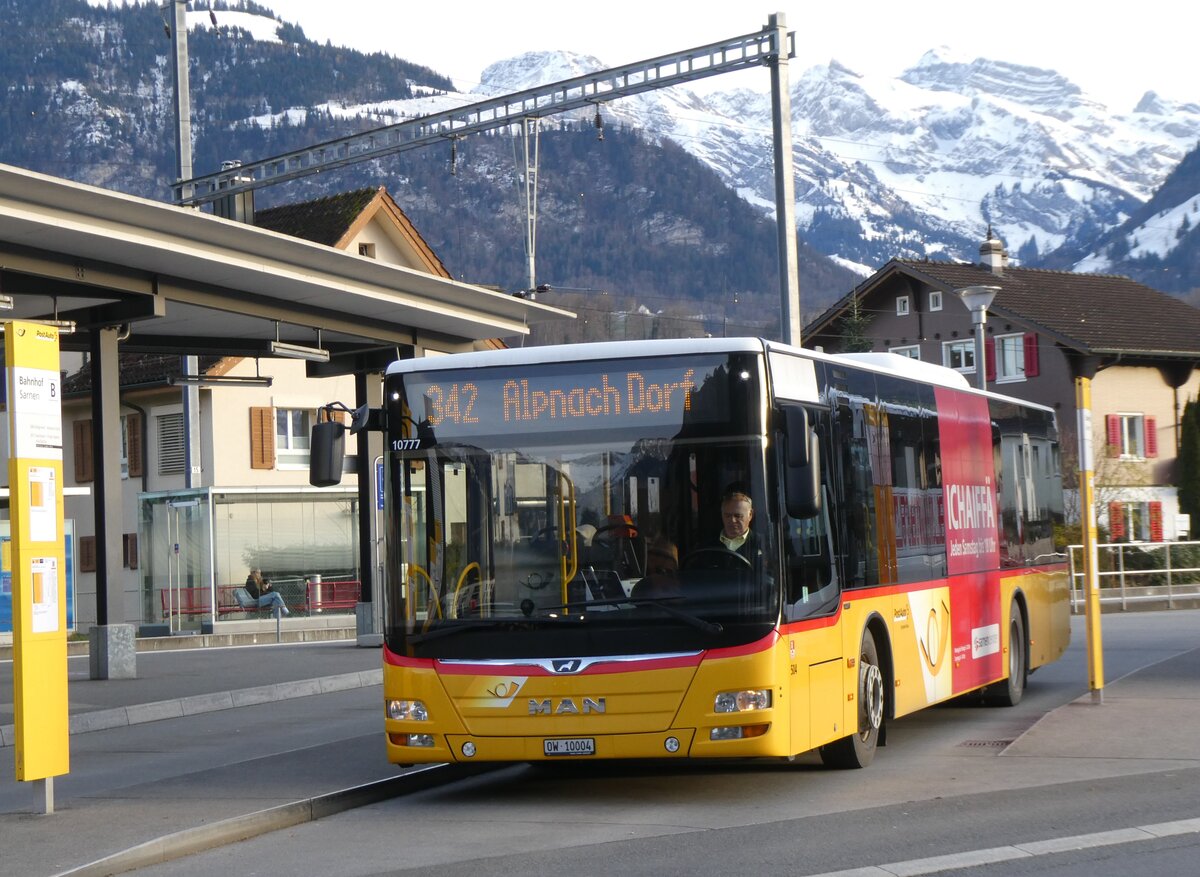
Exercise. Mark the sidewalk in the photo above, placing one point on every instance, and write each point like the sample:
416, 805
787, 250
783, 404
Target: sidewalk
1151, 713
147, 789
136, 779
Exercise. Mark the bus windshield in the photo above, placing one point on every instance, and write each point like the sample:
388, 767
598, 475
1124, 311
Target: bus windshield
575, 509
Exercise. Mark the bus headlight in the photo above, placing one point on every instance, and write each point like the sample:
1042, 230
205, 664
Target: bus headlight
741, 701
413, 710
737, 732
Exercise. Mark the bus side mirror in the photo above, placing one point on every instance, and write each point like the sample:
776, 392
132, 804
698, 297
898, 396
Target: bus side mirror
802, 464
796, 425
327, 452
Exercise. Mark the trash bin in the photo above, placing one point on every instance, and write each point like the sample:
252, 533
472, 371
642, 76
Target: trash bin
314, 593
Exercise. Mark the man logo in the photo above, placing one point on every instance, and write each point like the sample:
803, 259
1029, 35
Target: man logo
567, 707
571, 665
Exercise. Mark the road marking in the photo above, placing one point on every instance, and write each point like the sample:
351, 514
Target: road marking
974, 858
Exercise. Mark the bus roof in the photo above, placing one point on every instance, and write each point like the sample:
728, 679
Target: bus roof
884, 363
579, 352
907, 367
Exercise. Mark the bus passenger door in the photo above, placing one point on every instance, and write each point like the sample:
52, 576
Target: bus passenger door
811, 591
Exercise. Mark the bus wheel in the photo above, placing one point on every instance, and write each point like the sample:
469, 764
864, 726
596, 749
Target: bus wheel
1008, 692
858, 749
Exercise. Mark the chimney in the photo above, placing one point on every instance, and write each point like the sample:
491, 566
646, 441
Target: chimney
992, 254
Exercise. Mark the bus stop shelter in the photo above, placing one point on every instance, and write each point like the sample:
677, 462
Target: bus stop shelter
137, 276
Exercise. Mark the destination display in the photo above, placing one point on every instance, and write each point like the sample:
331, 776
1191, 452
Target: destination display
644, 394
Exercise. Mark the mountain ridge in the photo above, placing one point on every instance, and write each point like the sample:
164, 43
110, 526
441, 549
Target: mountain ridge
913, 166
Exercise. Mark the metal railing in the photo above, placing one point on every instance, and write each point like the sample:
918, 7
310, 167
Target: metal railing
1139, 573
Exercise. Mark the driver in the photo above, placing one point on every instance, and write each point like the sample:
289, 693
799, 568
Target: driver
737, 511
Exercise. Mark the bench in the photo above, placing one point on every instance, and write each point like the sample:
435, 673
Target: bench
184, 601
177, 602
235, 598
329, 596
318, 597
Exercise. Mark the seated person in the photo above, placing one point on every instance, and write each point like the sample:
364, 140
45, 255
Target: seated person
260, 589
662, 572
737, 512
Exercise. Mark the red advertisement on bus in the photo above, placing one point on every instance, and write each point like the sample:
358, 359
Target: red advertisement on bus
971, 518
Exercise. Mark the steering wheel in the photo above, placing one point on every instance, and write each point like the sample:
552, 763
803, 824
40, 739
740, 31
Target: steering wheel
632, 531
716, 558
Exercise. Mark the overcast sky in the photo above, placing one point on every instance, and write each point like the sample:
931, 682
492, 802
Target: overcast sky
1115, 52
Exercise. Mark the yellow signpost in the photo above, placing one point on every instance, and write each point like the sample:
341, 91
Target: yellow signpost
35, 473
1087, 499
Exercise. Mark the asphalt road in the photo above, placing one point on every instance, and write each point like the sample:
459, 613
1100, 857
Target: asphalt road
947, 792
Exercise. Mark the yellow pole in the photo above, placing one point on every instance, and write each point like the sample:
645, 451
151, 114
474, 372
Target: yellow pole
1087, 497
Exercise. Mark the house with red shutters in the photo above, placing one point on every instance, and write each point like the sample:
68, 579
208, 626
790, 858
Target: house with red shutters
1043, 328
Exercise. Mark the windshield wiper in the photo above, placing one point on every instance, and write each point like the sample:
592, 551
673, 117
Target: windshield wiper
452, 629
660, 602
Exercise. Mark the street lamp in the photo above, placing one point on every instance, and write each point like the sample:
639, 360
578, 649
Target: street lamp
977, 299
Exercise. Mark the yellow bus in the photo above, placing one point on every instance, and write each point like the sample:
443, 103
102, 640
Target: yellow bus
569, 574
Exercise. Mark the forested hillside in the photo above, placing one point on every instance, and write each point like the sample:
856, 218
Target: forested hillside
625, 224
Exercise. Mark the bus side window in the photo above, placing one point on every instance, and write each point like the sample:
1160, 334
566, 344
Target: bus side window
855, 418
812, 579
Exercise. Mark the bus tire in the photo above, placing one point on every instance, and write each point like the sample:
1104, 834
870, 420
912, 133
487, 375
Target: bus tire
1008, 692
858, 749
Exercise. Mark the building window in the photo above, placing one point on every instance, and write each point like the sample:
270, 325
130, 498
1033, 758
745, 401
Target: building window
87, 553
1132, 436
292, 429
131, 448
172, 454
129, 550
367, 250
959, 355
935, 300
1010, 358
1135, 521
902, 306
124, 447
912, 351
84, 469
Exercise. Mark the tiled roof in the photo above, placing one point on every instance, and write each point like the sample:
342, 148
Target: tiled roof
1095, 313
323, 221
136, 370
1101, 312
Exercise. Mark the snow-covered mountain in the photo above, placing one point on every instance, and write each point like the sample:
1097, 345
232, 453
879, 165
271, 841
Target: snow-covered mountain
919, 165
912, 166
1160, 244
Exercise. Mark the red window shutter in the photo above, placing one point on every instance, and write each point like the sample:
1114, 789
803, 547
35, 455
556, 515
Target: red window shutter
133, 444
989, 358
1116, 521
1151, 436
1031, 355
1156, 522
82, 433
1113, 423
262, 438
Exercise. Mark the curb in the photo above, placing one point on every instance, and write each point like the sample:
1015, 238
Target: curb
78, 648
239, 828
137, 714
